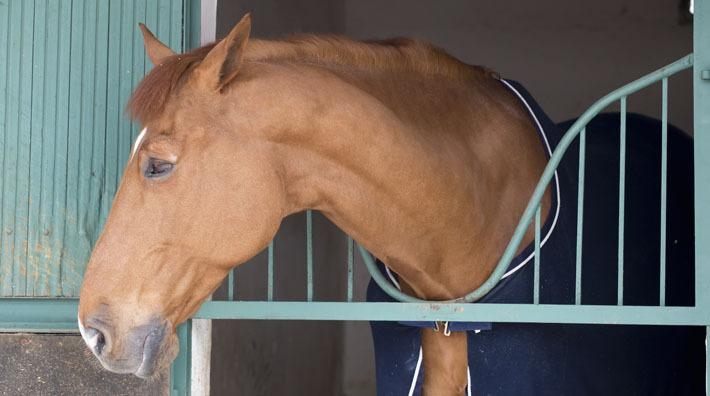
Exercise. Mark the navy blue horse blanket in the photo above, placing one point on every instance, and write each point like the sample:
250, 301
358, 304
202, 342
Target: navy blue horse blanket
551, 359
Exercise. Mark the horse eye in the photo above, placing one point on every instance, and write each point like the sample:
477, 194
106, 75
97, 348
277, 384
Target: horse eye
157, 168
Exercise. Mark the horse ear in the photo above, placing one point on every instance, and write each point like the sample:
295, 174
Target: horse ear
222, 63
157, 51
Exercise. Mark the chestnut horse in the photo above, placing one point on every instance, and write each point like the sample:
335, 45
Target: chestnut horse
426, 161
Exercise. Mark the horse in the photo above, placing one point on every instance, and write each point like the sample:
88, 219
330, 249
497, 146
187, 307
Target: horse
426, 161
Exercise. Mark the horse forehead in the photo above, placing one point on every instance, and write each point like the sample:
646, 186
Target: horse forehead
139, 141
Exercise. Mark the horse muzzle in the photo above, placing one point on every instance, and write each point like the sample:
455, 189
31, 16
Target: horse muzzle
138, 351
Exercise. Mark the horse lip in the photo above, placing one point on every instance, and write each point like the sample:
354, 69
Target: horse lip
151, 348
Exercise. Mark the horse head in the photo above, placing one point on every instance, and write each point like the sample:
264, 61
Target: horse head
193, 202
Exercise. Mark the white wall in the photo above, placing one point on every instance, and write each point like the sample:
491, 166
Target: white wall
567, 53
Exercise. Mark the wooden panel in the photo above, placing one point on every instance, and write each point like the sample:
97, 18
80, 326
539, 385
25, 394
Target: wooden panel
67, 69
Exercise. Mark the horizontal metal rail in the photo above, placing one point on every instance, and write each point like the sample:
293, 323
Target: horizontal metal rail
38, 315
59, 315
454, 312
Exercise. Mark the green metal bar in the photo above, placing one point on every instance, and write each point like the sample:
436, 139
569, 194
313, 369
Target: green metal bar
622, 188
510, 250
454, 312
536, 276
664, 181
191, 38
60, 314
62, 142
177, 38
180, 370
270, 272
309, 255
7, 111
37, 280
24, 143
230, 285
381, 281
114, 108
75, 232
351, 272
49, 140
580, 217
38, 315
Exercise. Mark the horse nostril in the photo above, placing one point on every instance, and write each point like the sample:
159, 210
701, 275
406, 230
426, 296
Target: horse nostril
95, 335
100, 342
95, 339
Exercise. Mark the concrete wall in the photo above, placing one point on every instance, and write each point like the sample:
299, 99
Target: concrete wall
273, 18
568, 54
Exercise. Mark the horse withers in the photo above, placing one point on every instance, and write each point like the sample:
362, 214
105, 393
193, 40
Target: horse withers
426, 161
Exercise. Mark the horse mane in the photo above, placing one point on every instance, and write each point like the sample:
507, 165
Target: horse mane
394, 55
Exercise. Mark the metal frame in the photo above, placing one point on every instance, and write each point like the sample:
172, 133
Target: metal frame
411, 308
701, 119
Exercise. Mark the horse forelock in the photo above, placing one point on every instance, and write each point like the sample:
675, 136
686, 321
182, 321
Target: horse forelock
149, 98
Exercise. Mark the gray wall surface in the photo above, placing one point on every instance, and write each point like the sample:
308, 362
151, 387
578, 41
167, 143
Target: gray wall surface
567, 53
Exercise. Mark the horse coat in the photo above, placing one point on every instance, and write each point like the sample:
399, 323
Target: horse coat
552, 359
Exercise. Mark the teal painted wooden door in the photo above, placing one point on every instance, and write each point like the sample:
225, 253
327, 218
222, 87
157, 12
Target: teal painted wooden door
67, 69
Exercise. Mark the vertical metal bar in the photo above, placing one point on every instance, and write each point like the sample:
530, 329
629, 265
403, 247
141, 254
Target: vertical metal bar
23, 166
664, 179
230, 285
6, 108
270, 270
62, 135
38, 272
701, 147
50, 142
75, 232
309, 255
191, 29
86, 105
622, 187
707, 361
351, 259
114, 106
98, 195
536, 284
580, 217
181, 368
10, 124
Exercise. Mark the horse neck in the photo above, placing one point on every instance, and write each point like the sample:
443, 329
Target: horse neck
424, 191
